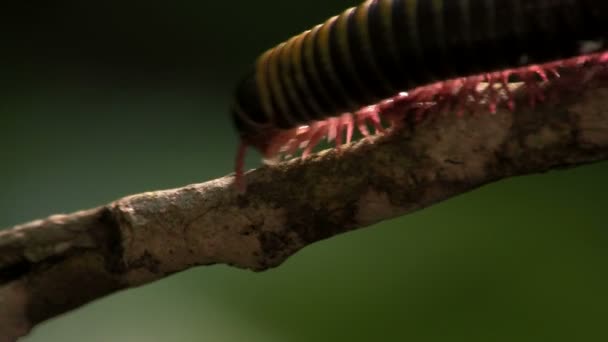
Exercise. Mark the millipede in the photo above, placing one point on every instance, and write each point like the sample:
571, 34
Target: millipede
347, 73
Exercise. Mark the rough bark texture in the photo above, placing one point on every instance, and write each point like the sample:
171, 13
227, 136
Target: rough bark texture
50, 266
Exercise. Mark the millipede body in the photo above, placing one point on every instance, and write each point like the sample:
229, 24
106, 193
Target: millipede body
382, 49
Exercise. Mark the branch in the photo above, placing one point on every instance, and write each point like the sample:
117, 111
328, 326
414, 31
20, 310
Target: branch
50, 266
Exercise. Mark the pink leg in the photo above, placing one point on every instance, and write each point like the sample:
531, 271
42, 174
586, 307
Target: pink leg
350, 125
319, 130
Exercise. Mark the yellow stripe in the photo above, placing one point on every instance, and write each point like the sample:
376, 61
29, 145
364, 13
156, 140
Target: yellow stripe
296, 61
236, 107
275, 85
437, 6
491, 8
465, 19
518, 25
262, 84
345, 52
323, 45
284, 59
411, 7
386, 13
309, 59
412, 24
441, 37
362, 24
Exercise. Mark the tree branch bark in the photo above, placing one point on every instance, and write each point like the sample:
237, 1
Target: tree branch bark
50, 266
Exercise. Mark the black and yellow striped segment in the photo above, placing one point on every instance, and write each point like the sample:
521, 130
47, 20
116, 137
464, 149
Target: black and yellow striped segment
381, 47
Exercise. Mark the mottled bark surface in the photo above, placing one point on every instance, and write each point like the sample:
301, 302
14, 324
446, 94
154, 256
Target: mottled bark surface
50, 266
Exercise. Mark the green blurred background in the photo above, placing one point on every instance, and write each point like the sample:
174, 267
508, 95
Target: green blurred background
105, 99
